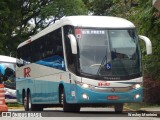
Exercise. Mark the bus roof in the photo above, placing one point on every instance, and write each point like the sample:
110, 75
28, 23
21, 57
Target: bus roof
7, 59
84, 21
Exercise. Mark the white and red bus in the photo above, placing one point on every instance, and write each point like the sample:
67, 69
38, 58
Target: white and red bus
7, 75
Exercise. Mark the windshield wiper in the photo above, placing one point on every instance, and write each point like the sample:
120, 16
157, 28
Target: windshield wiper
102, 63
88, 75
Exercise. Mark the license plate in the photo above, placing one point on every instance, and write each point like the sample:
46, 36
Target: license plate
112, 97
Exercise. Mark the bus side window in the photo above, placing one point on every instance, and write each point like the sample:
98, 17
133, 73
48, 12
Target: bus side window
54, 44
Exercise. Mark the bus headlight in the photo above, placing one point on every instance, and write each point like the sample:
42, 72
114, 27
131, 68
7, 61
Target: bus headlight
85, 96
136, 86
84, 85
137, 96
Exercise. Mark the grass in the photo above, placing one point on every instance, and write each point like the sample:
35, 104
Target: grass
14, 105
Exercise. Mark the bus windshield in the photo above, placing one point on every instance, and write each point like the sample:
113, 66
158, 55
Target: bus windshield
7, 74
108, 52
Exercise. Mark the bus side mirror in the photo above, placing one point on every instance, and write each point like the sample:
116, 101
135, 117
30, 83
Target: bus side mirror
148, 44
73, 43
19, 62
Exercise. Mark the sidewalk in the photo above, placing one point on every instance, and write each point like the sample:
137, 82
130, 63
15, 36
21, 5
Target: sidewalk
155, 110
148, 110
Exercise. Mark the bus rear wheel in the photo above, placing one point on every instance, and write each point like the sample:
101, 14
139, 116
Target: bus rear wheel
28, 106
25, 104
68, 107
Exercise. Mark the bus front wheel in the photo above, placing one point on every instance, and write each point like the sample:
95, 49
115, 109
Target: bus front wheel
118, 108
68, 107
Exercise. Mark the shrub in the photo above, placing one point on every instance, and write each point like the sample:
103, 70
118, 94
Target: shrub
151, 90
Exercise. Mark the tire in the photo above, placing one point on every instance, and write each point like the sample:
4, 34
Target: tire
36, 107
26, 103
68, 107
28, 106
118, 108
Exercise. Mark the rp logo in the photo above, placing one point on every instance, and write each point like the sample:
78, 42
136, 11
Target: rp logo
27, 71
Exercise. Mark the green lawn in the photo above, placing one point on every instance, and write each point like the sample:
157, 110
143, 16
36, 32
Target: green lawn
14, 105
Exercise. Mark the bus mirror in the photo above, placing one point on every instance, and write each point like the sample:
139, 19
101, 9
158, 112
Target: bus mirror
148, 44
73, 43
20, 62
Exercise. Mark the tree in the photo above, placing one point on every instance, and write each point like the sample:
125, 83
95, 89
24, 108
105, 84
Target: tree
61, 8
99, 7
119, 8
8, 21
147, 18
23, 18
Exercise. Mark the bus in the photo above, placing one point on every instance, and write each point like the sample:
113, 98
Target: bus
81, 61
7, 75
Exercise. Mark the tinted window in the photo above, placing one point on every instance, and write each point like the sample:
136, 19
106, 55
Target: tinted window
44, 47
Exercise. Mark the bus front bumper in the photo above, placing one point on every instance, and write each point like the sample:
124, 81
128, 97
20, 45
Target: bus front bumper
89, 96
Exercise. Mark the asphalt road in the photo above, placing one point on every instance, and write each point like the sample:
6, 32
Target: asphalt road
84, 114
